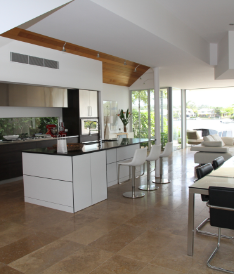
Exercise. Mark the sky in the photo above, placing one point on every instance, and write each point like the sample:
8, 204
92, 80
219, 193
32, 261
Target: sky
215, 97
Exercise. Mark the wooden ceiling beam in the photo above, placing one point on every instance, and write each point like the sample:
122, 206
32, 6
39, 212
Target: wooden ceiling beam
114, 70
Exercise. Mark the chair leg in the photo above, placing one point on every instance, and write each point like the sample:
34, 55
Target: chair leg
212, 256
161, 180
149, 186
133, 194
207, 220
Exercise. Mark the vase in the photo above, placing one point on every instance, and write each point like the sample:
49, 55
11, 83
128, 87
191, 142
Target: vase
125, 129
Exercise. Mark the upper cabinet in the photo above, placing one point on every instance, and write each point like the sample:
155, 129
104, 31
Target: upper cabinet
88, 103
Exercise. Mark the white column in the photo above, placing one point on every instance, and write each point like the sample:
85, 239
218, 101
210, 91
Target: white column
157, 106
157, 115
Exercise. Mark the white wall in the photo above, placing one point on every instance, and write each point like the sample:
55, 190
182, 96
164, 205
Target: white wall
74, 72
119, 94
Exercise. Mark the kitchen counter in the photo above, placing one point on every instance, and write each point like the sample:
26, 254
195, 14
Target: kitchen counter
78, 180
91, 147
32, 140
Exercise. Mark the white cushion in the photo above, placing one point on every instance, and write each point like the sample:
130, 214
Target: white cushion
212, 144
208, 138
228, 141
209, 149
216, 137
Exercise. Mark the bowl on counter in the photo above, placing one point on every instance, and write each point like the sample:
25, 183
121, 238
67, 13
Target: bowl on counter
11, 137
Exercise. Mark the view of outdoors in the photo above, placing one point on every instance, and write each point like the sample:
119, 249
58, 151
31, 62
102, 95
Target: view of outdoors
25, 126
211, 109
176, 102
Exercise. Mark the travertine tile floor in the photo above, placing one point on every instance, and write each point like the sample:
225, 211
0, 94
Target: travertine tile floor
119, 235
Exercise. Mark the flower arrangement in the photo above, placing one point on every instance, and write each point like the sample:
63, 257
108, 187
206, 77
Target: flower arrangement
124, 119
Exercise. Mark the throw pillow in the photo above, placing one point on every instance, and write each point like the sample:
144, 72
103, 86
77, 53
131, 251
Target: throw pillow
208, 138
212, 144
228, 141
218, 138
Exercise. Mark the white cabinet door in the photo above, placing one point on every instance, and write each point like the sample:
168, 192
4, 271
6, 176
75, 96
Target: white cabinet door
84, 102
48, 166
93, 103
111, 156
111, 174
126, 152
82, 182
98, 175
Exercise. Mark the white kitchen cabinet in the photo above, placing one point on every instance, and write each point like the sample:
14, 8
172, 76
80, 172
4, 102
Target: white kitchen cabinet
98, 176
111, 156
49, 191
82, 182
111, 174
48, 166
126, 152
88, 100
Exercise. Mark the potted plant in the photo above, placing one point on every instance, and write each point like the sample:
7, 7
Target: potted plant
124, 119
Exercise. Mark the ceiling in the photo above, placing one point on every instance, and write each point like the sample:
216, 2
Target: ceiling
171, 34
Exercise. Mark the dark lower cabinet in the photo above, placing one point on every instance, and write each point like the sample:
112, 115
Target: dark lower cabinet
11, 156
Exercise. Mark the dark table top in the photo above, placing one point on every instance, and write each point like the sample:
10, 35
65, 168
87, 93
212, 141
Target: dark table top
90, 148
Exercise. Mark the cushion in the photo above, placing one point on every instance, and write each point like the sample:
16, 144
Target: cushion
216, 137
228, 141
210, 149
192, 135
212, 144
208, 138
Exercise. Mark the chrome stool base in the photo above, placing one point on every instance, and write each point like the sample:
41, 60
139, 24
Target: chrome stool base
161, 181
150, 187
133, 195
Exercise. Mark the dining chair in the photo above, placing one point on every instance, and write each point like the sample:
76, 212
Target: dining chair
221, 204
202, 172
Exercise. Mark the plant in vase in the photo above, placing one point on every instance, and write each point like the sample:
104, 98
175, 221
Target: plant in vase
124, 118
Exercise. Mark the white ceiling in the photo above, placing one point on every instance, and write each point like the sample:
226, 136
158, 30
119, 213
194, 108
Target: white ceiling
171, 34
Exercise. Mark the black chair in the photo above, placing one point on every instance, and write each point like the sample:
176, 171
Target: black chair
202, 172
218, 162
221, 206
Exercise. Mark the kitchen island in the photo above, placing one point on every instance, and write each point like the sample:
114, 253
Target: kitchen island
75, 180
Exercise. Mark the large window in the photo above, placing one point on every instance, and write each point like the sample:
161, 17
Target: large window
176, 99
211, 109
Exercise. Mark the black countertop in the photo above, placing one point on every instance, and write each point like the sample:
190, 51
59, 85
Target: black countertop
90, 148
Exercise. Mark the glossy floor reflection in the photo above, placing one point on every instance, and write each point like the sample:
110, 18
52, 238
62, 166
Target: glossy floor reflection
119, 235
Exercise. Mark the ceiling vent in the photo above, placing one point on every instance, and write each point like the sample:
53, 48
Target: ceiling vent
32, 60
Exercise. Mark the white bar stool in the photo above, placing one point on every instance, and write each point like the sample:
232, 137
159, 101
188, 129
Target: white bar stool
138, 160
167, 152
153, 156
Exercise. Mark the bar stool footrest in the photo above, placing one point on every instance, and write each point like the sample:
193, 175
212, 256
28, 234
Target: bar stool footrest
133, 196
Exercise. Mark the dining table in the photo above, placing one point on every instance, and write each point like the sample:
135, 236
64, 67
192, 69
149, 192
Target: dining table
221, 177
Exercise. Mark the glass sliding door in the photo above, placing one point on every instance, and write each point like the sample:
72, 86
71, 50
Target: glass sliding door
163, 116
176, 97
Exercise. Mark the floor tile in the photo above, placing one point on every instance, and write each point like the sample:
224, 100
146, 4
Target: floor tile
82, 261
119, 265
24, 246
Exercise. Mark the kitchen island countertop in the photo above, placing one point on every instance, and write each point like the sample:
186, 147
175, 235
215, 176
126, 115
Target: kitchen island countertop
92, 147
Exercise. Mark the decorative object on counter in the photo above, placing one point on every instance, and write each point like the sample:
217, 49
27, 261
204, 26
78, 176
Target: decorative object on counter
107, 121
52, 130
125, 120
62, 145
11, 137
72, 146
110, 108
62, 131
